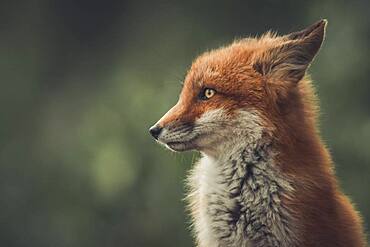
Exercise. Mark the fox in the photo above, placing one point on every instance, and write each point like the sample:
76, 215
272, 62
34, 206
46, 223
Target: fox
264, 176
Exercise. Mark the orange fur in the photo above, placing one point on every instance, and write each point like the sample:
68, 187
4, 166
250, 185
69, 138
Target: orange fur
268, 74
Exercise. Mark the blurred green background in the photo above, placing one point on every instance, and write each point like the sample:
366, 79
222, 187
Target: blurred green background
82, 81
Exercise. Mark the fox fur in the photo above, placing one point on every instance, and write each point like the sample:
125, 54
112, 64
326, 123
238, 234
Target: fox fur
265, 177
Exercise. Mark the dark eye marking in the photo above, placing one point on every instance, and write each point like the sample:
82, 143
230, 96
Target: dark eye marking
206, 93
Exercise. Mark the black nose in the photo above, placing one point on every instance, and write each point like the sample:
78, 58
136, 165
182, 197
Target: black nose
155, 131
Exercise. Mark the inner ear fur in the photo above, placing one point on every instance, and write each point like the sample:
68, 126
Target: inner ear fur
289, 60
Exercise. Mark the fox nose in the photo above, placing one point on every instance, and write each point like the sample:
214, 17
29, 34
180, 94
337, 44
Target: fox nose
155, 131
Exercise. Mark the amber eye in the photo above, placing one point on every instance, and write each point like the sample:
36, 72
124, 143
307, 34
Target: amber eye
207, 93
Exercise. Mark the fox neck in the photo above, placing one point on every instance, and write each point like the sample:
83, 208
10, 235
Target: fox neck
242, 191
237, 197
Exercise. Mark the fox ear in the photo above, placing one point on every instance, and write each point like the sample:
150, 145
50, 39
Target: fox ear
289, 60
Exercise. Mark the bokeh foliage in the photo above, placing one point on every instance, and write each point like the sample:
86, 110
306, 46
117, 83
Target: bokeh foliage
81, 82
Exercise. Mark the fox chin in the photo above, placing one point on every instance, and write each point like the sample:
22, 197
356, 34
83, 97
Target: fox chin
265, 177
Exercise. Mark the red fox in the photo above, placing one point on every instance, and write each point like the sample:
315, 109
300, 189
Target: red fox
265, 177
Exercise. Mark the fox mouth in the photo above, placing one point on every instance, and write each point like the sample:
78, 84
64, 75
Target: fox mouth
179, 146
179, 138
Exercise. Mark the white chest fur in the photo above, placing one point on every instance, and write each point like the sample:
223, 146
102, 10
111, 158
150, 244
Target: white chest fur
236, 200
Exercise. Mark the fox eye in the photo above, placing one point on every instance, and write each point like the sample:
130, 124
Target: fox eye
207, 93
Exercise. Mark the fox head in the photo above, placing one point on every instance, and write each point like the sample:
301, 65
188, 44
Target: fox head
241, 91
